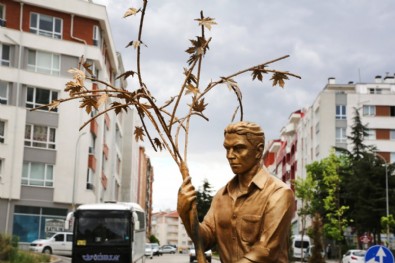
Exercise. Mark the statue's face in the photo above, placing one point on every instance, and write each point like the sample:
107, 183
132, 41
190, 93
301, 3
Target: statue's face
241, 154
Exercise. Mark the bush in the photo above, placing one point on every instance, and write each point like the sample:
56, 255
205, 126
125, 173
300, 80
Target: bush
9, 252
7, 247
28, 257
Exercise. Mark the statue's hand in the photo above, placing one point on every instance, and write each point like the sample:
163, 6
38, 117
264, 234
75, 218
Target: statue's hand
186, 197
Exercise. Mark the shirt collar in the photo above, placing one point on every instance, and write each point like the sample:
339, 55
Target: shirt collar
259, 180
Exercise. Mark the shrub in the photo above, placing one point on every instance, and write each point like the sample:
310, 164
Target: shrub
28, 257
9, 252
6, 247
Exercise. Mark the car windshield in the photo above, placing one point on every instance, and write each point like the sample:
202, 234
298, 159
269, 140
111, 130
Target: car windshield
300, 244
359, 253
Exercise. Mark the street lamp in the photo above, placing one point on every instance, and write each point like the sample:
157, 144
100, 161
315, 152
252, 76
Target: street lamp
75, 169
386, 194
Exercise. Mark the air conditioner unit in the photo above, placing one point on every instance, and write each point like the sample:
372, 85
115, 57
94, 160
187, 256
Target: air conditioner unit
3, 23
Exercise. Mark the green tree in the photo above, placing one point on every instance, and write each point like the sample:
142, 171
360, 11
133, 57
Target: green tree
316, 170
359, 132
204, 199
304, 191
363, 182
154, 239
335, 211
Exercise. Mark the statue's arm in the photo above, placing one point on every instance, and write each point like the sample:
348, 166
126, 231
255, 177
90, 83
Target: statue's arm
276, 226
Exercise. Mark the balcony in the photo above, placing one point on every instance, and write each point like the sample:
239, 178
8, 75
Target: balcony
294, 118
275, 146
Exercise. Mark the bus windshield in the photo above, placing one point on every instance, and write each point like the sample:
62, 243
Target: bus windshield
102, 228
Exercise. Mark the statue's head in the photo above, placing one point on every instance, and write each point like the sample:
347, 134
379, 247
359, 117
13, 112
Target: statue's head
253, 132
244, 143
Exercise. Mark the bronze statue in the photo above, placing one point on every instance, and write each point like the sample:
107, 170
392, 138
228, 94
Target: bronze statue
249, 218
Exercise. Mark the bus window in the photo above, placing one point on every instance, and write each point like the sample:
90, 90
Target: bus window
141, 219
99, 230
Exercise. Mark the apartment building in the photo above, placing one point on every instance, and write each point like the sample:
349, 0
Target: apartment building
169, 229
328, 121
48, 166
310, 133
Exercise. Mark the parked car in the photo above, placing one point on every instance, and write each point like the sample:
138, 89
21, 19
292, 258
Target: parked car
60, 243
148, 250
300, 247
155, 249
192, 255
167, 249
354, 256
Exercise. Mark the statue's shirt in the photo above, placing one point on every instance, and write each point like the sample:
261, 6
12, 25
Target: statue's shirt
254, 224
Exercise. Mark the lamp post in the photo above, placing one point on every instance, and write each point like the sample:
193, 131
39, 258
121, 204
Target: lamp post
75, 170
386, 194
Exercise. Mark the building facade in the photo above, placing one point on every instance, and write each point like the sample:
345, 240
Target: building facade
48, 166
312, 132
168, 228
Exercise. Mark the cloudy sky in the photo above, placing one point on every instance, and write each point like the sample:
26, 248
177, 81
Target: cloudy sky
351, 40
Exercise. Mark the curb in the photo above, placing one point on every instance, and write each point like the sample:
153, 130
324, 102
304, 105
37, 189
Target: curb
55, 259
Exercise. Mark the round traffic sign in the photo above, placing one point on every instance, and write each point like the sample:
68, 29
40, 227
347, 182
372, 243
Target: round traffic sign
379, 254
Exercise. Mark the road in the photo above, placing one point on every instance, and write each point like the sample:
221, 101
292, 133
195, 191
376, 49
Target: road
167, 258
176, 258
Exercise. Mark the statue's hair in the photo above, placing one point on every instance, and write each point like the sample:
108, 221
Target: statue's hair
251, 130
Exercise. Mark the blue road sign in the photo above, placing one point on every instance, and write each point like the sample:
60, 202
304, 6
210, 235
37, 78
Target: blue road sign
379, 254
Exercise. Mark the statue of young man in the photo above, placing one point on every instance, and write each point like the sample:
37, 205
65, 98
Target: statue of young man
249, 218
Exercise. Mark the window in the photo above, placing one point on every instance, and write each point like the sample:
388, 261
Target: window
5, 55
89, 179
392, 157
392, 135
118, 165
392, 111
96, 36
2, 131
44, 25
37, 174
341, 135
375, 91
369, 110
32, 222
371, 134
341, 112
1, 167
44, 62
40, 136
3, 92
118, 137
59, 238
100, 227
2, 15
36, 97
